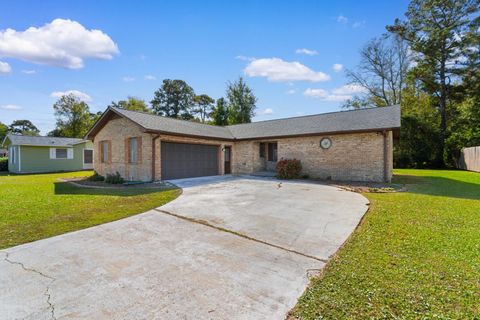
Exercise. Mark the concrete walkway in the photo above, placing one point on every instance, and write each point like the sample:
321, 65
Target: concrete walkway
182, 261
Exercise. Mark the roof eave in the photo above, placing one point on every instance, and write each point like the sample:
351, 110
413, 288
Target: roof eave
189, 135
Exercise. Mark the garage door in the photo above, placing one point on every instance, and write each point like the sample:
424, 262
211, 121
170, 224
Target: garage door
181, 160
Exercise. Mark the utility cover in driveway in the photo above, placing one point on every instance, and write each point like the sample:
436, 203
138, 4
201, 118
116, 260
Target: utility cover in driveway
182, 160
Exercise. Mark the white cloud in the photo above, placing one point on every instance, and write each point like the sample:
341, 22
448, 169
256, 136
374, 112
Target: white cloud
275, 69
10, 107
244, 58
5, 68
291, 91
266, 111
358, 24
128, 79
61, 43
29, 71
337, 67
338, 94
80, 95
308, 52
342, 19
150, 77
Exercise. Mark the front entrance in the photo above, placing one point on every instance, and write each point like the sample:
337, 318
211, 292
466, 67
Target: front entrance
227, 160
184, 160
87, 159
268, 155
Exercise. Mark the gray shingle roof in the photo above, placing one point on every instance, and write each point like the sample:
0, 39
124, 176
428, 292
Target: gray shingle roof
21, 140
343, 121
164, 124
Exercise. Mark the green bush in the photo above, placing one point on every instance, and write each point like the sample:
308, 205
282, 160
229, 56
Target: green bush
96, 177
3, 164
114, 178
289, 169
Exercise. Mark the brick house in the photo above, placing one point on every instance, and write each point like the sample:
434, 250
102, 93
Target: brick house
348, 145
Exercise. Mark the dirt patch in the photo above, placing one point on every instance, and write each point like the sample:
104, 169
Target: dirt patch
84, 183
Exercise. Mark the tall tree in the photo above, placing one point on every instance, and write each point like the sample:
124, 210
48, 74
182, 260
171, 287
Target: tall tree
220, 113
73, 117
132, 103
382, 70
241, 102
203, 106
3, 131
25, 127
437, 31
174, 99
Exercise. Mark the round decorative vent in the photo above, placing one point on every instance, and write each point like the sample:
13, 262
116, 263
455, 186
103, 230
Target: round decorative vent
325, 143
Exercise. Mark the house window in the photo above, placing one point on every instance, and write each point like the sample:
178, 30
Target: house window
272, 151
61, 153
262, 149
133, 149
105, 152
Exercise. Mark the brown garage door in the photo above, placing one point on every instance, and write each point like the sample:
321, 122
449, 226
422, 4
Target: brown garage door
182, 160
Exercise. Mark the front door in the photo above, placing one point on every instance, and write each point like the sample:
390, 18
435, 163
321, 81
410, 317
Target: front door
272, 156
228, 160
87, 159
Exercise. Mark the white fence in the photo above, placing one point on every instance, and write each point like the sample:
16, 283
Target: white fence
470, 159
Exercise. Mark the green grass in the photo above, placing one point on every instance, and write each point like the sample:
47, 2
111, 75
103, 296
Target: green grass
38, 206
416, 255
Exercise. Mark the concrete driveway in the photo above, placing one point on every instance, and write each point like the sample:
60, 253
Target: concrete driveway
228, 248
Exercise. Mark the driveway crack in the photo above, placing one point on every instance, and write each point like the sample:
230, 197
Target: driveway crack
206, 223
51, 306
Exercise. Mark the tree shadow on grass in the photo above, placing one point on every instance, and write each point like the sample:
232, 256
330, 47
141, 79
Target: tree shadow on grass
440, 186
65, 188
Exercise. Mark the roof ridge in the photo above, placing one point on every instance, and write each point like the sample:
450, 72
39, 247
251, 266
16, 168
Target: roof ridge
29, 136
313, 115
170, 118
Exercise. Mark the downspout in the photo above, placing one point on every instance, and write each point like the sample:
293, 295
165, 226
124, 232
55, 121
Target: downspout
153, 155
385, 156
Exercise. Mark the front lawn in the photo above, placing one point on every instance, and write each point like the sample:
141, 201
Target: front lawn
38, 206
416, 255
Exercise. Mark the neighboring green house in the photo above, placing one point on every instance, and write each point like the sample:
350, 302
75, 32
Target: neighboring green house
32, 154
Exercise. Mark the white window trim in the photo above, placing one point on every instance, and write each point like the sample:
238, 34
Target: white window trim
83, 155
53, 153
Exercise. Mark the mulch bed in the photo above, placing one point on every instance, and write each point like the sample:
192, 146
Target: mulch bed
84, 183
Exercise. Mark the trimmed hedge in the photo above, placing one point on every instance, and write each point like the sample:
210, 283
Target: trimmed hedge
289, 169
114, 178
3, 164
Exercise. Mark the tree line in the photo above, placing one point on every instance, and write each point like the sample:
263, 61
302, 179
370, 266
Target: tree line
174, 98
429, 63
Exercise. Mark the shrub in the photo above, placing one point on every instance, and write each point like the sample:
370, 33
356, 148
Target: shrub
114, 178
289, 168
96, 177
3, 164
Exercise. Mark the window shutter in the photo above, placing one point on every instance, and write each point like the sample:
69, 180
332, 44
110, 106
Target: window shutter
139, 150
52, 153
70, 153
127, 150
109, 152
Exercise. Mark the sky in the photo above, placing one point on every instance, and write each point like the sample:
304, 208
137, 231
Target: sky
293, 54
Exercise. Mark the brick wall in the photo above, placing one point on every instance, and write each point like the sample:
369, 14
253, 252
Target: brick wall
358, 156
117, 131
